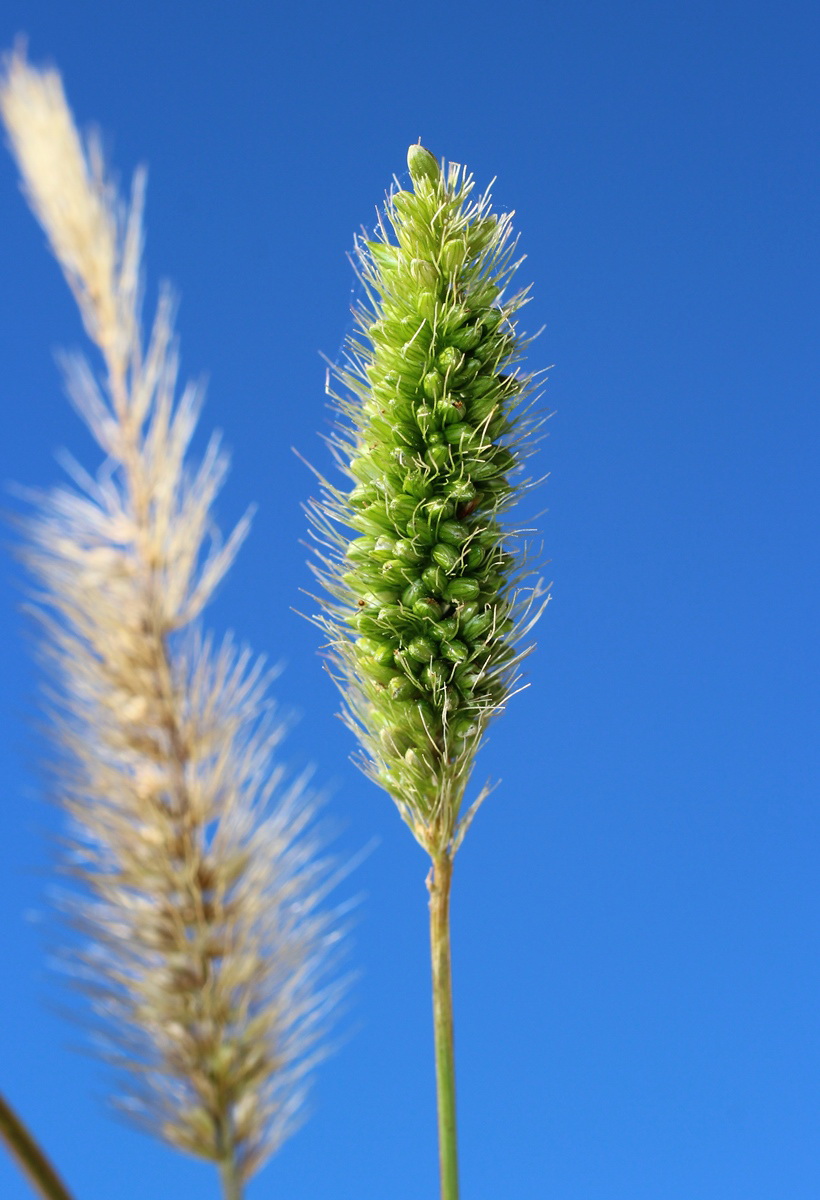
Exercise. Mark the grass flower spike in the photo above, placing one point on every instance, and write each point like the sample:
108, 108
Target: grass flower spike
428, 601
199, 885
427, 598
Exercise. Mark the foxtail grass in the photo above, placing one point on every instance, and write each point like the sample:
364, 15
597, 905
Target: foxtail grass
198, 884
429, 590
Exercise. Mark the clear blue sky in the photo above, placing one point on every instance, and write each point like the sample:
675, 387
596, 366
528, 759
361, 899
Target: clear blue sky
637, 908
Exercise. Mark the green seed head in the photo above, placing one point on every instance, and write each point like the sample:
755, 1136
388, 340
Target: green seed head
427, 602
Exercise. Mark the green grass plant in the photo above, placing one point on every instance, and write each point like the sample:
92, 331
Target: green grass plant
430, 592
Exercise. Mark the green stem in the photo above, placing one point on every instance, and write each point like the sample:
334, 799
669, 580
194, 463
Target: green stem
438, 883
29, 1157
232, 1188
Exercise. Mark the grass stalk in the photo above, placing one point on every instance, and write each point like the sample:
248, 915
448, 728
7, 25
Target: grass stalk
232, 1188
429, 591
29, 1156
439, 884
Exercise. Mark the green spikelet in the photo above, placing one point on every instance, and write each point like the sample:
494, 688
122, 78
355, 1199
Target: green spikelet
428, 601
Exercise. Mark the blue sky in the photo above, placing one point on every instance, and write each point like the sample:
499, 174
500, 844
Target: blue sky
636, 909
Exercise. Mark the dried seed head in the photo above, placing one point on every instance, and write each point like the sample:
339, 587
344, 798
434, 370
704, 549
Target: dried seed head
200, 882
434, 434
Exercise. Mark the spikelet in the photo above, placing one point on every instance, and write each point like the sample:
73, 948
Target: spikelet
428, 601
205, 935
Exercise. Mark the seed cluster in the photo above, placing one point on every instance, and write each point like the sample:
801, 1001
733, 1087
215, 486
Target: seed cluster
425, 591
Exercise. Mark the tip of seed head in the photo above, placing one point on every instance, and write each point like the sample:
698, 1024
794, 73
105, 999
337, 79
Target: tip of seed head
422, 164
